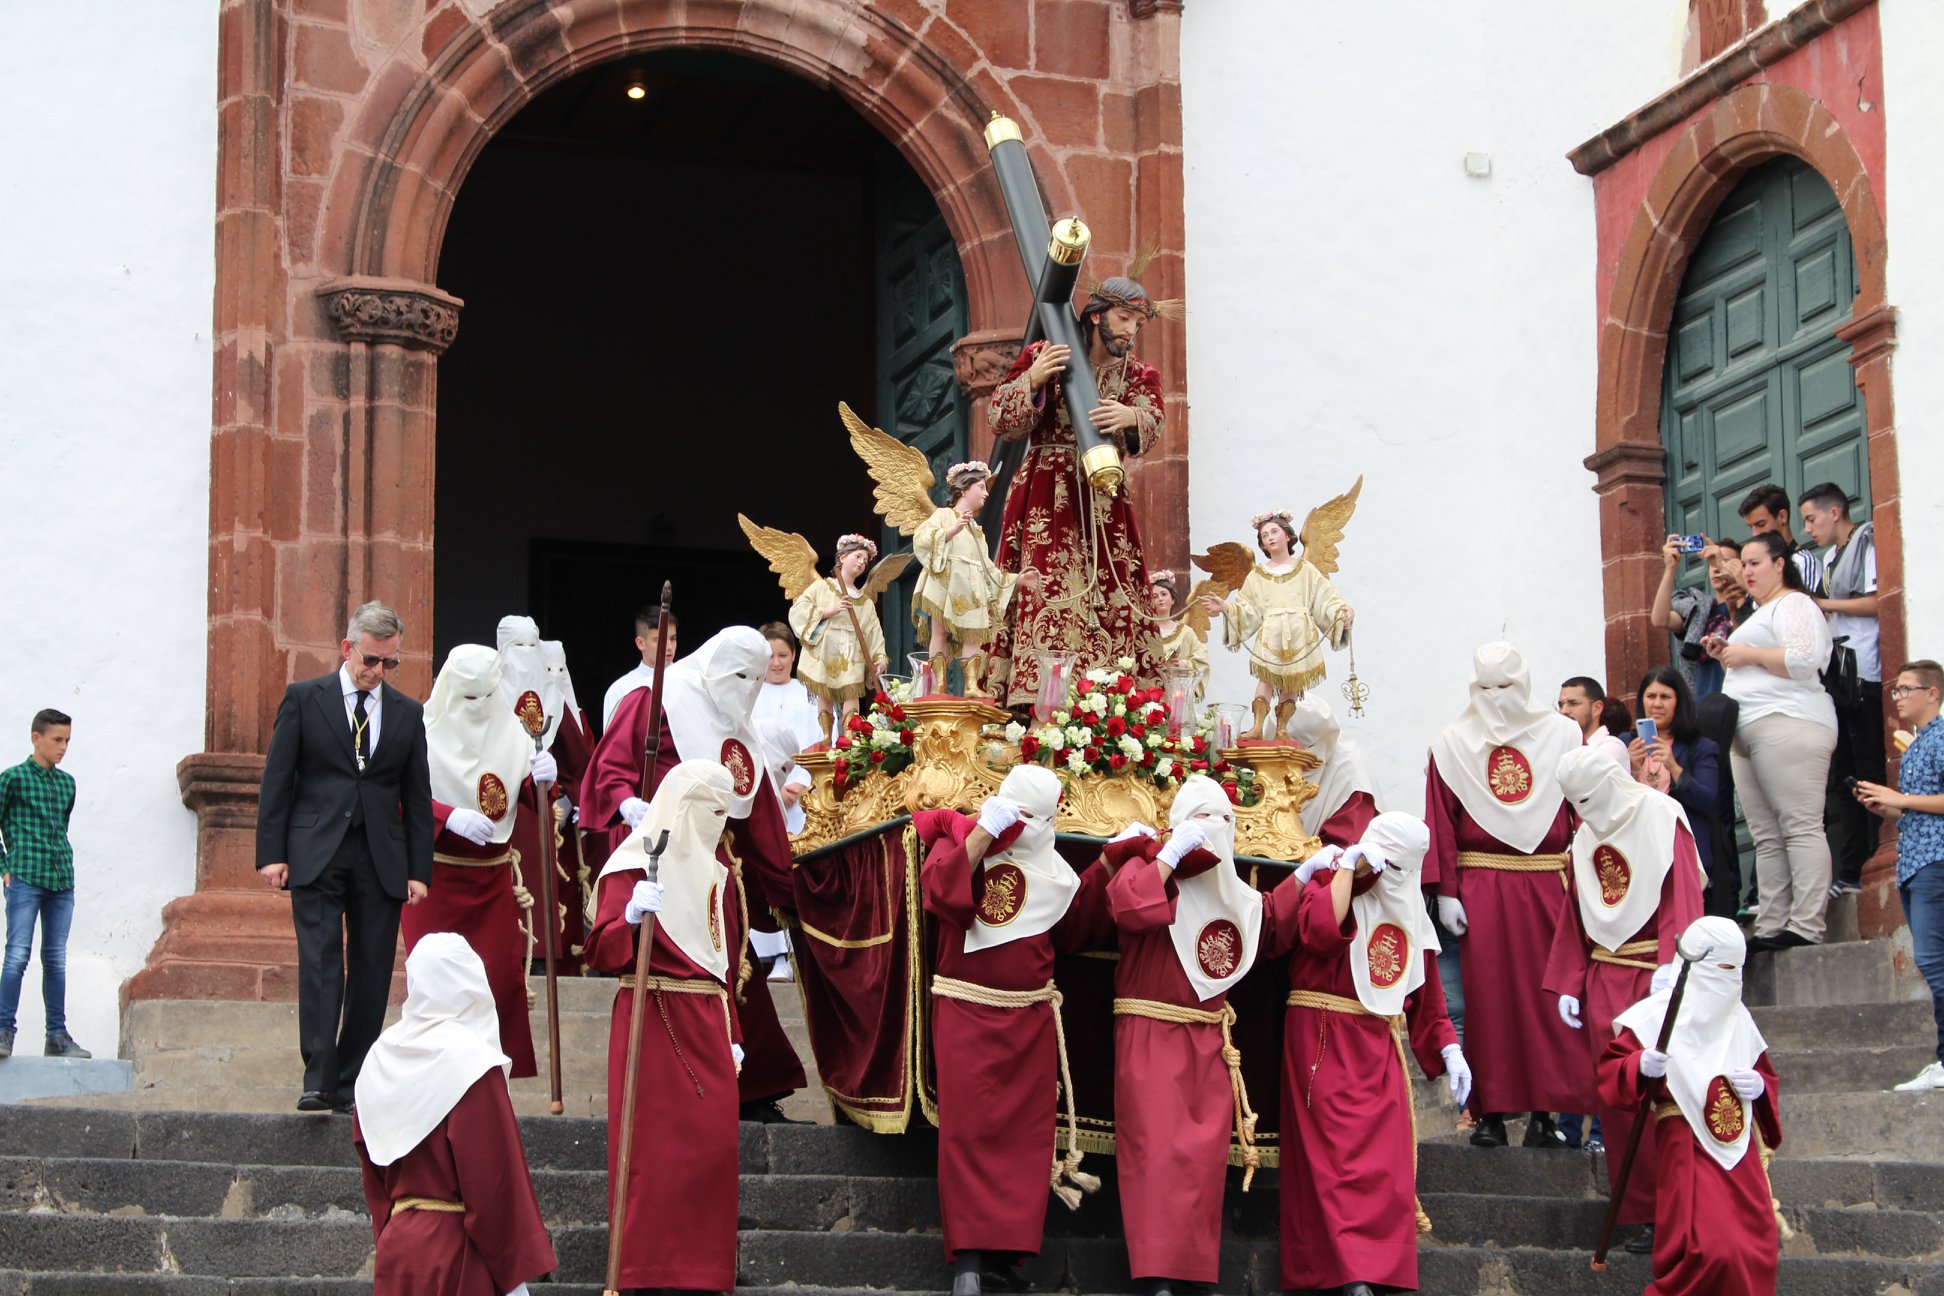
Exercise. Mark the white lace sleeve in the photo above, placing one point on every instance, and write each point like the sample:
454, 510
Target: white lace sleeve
1804, 635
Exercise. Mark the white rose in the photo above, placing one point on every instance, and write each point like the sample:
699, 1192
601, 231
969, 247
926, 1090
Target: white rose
1130, 747
1101, 676
1155, 739
1052, 738
1015, 731
1125, 663
1096, 703
1164, 767
1061, 718
1076, 762
1076, 735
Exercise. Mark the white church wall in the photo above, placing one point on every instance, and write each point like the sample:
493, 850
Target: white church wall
1360, 304
106, 277
1913, 101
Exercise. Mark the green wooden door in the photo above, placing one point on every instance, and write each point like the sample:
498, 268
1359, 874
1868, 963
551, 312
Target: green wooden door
920, 313
1758, 387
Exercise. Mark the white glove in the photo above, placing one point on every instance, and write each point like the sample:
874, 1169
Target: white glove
1323, 859
1748, 1084
1569, 1011
545, 768
1180, 842
1135, 829
633, 811
1653, 1063
1359, 854
1457, 1073
1663, 979
736, 1052
997, 815
521, 1290
647, 899
1451, 913
470, 824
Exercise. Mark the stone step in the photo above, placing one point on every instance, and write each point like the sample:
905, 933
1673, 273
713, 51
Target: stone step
1836, 972
1812, 1026
1847, 1070
1905, 1126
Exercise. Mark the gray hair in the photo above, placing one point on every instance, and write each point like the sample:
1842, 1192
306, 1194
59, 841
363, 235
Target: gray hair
374, 619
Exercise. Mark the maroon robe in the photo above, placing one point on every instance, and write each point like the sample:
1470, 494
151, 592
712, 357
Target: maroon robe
1714, 1229
1348, 1175
997, 1067
1046, 487
472, 1156
1605, 990
1523, 1057
478, 904
771, 1068
1173, 1102
680, 1227
571, 750
1346, 824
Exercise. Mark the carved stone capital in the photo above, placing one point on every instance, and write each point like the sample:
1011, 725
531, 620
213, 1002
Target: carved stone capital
398, 311
1628, 463
980, 360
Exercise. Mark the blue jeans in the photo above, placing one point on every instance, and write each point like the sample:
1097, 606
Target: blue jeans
55, 910
1923, 905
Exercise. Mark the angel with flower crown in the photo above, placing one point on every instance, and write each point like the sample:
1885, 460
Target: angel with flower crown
1282, 609
961, 592
834, 617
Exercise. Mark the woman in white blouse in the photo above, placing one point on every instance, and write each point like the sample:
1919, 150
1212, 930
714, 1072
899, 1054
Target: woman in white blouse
1783, 740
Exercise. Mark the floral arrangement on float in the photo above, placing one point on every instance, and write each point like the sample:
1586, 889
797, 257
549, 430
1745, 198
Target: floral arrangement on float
877, 740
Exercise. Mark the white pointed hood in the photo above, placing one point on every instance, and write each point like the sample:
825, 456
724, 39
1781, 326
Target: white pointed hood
477, 752
1500, 758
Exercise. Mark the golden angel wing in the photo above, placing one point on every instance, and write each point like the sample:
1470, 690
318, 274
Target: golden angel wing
901, 473
1195, 617
1229, 563
789, 555
1323, 529
887, 569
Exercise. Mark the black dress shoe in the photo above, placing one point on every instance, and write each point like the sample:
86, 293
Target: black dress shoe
1786, 939
1005, 1275
767, 1113
1541, 1132
315, 1100
1489, 1132
342, 1103
1641, 1243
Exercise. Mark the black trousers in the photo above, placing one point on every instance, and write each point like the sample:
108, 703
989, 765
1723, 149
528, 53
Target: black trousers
347, 941
1852, 830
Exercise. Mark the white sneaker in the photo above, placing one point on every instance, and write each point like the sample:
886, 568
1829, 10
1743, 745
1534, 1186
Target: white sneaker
780, 971
1931, 1077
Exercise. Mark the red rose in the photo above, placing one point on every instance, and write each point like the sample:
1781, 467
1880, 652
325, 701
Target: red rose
1090, 755
1117, 761
897, 713
1116, 727
1220, 767
1157, 715
1198, 743
877, 758
843, 743
1083, 688
840, 773
1198, 766
858, 724
1137, 730
1125, 684
883, 699
1233, 796
1148, 756
1028, 747
904, 736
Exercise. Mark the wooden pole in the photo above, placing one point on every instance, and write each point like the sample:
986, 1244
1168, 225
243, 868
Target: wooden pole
544, 792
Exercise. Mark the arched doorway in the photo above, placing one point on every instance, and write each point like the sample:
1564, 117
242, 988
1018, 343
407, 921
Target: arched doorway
1758, 387
674, 265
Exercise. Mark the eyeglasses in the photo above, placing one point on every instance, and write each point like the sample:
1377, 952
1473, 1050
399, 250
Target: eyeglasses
1903, 691
389, 663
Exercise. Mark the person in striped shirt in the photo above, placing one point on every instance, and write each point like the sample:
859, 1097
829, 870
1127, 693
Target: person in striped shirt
37, 871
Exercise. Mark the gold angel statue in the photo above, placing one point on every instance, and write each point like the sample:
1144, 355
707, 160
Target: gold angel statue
1181, 625
834, 616
1286, 604
961, 592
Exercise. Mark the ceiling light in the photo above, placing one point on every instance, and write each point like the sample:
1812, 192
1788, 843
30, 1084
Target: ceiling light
637, 86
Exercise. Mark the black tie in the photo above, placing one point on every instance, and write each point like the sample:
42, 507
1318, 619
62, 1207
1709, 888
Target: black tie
360, 731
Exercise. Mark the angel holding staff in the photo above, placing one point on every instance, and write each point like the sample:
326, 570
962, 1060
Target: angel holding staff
961, 592
1182, 628
1286, 605
835, 616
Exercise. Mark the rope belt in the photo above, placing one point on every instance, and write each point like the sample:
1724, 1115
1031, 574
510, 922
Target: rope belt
1501, 863
689, 986
1630, 955
1181, 1015
1330, 1003
1665, 1109
428, 1204
511, 856
1067, 1180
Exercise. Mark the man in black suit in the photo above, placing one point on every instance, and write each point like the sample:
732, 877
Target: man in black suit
344, 820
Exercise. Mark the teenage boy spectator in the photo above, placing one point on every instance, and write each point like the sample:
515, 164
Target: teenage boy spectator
1766, 508
1848, 597
37, 870
1692, 613
1917, 808
646, 622
1583, 700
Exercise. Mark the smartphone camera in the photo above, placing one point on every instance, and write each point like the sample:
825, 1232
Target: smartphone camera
1690, 543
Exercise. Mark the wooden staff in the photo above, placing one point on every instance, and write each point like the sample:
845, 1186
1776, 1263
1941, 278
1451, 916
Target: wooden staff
857, 627
644, 943
1643, 1111
545, 795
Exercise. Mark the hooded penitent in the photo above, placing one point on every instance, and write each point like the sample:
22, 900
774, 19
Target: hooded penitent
477, 752
1027, 886
446, 1037
1393, 926
691, 805
523, 676
1713, 1035
709, 696
1624, 846
1344, 773
557, 694
1500, 757
1218, 916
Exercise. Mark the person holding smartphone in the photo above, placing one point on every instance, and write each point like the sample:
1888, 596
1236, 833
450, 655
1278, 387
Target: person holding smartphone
1668, 752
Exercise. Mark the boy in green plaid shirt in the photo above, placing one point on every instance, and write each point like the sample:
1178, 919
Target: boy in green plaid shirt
37, 870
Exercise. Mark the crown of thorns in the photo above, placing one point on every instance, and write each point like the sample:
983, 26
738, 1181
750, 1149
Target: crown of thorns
1283, 516
959, 476
853, 541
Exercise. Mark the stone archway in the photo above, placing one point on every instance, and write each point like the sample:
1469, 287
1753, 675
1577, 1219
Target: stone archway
345, 133
1747, 126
